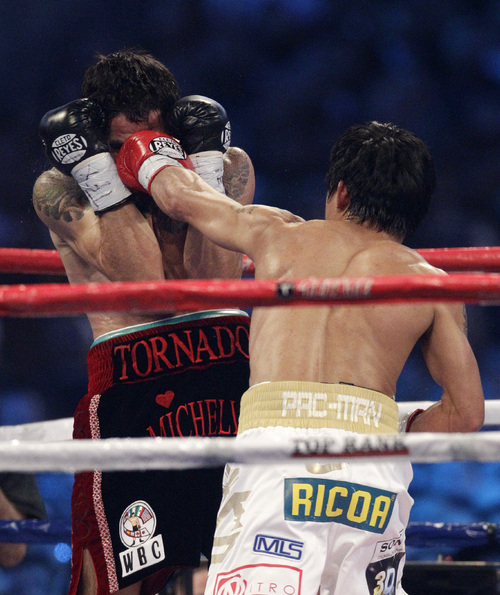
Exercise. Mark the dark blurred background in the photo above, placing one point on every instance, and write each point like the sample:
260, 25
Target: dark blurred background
292, 75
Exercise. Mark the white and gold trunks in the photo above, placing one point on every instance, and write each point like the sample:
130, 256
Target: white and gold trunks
318, 405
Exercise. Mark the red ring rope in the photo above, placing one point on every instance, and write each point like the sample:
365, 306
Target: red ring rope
48, 262
182, 296
23, 260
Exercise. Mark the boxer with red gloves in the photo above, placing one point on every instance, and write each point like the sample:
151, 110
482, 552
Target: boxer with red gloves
326, 375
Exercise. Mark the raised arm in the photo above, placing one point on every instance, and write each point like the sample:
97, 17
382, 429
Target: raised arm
453, 366
118, 245
203, 129
91, 215
157, 163
203, 258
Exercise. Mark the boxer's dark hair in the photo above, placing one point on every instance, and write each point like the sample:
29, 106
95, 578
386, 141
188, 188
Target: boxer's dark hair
388, 173
132, 82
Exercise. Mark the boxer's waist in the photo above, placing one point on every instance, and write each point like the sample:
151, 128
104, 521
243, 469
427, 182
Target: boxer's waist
181, 318
317, 405
146, 351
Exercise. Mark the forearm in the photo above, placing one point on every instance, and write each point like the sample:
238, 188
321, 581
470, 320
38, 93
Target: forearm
453, 366
205, 260
128, 249
11, 554
119, 243
442, 416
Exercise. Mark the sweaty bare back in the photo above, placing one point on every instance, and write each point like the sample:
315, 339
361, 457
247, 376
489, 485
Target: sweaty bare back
363, 345
366, 345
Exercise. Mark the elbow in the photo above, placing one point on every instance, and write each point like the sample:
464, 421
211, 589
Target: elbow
476, 423
472, 420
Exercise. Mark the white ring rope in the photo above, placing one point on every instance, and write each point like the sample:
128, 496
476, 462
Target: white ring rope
61, 429
42, 431
126, 454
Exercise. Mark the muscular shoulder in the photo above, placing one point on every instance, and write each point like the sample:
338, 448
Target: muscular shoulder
392, 258
270, 219
57, 197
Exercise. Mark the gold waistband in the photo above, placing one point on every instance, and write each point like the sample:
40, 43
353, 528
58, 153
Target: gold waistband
318, 405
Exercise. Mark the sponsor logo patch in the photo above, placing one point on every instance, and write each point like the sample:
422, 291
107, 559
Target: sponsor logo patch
167, 147
261, 579
69, 148
385, 549
137, 527
382, 575
330, 501
278, 546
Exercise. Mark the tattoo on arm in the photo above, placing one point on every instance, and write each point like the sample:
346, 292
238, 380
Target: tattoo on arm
245, 210
235, 180
60, 204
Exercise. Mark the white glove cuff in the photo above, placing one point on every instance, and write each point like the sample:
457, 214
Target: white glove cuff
98, 177
210, 166
403, 420
151, 166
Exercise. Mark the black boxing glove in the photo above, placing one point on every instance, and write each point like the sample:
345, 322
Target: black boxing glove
200, 124
204, 131
71, 138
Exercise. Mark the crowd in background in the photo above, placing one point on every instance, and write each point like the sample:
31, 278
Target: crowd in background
292, 75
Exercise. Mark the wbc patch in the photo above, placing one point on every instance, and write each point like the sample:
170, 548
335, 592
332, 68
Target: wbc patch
137, 528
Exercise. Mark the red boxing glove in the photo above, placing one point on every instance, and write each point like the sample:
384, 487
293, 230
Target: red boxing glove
146, 153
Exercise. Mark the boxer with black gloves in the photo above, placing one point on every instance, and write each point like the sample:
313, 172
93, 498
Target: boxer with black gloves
105, 231
204, 131
71, 135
